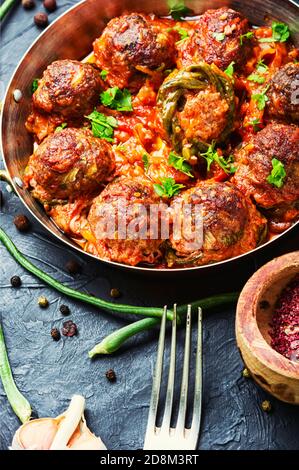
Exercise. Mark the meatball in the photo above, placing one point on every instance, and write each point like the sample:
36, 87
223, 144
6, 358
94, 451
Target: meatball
284, 94
119, 219
131, 42
221, 224
255, 165
197, 106
68, 88
69, 163
217, 40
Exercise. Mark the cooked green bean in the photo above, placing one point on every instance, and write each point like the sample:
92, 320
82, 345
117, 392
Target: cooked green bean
5, 7
17, 401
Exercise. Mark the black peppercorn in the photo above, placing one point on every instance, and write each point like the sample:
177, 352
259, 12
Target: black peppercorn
55, 333
111, 376
69, 328
115, 293
15, 281
64, 309
28, 4
73, 267
50, 5
41, 20
22, 222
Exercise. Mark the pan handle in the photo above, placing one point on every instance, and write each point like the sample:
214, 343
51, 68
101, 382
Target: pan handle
5, 176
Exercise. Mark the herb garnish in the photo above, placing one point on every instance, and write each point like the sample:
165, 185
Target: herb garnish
178, 10
261, 98
182, 32
212, 155
168, 187
280, 33
34, 85
104, 74
230, 70
102, 126
278, 173
255, 123
62, 126
261, 67
248, 35
219, 36
179, 163
146, 162
115, 98
256, 78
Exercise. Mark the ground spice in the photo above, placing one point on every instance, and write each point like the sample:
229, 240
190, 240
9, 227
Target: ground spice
284, 330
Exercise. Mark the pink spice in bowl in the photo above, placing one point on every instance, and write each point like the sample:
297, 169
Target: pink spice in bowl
267, 327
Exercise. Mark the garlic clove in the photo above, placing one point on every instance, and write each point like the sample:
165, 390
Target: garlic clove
37, 434
84, 439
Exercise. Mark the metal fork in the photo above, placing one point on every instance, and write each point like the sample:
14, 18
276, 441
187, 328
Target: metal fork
166, 437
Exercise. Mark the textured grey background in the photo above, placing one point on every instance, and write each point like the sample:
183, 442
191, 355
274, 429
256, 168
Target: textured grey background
48, 373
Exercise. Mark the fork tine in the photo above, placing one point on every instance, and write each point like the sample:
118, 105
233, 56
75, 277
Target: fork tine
194, 431
157, 379
171, 376
185, 378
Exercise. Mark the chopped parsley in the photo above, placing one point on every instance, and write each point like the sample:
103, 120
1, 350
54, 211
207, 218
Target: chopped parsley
255, 123
102, 126
256, 78
34, 85
278, 173
104, 74
261, 67
167, 187
178, 10
115, 98
248, 35
212, 155
182, 32
261, 99
219, 36
145, 161
179, 163
230, 70
280, 33
61, 127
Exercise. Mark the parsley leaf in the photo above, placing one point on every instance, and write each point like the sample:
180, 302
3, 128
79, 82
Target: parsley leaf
115, 98
102, 126
261, 67
261, 98
230, 70
277, 174
178, 10
168, 187
248, 35
219, 36
280, 33
61, 127
179, 163
255, 123
146, 162
34, 85
182, 32
104, 74
212, 155
256, 78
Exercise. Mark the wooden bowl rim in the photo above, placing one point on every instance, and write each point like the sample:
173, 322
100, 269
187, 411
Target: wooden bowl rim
247, 303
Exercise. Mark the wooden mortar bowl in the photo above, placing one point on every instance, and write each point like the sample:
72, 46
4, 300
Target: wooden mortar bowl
272, 371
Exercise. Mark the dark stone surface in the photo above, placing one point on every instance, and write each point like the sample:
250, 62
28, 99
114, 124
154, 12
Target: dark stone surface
49, 372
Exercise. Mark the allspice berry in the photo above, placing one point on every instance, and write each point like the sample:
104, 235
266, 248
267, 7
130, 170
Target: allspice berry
41, 20
50, 5
28, 4
55, 333
115, 293
22, 222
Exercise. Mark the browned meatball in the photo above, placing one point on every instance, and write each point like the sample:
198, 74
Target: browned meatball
284, 94
131, 42
231, 224
254, 165
112, 220
68, 88
217, 39
69, 163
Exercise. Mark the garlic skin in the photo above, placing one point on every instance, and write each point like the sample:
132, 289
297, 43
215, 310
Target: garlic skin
67, 431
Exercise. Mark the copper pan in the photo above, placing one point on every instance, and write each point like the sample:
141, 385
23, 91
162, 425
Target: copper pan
71, 36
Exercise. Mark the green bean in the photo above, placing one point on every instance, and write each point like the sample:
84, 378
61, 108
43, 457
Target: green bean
5, 7
116, 339
17, 401
89, 299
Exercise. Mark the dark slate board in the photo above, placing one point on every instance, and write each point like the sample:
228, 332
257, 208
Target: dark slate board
48, 373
